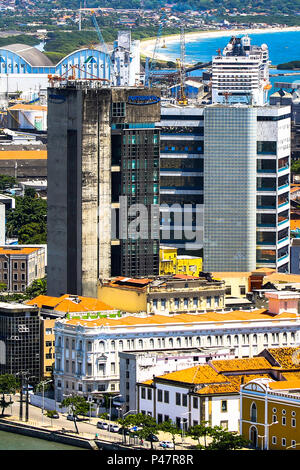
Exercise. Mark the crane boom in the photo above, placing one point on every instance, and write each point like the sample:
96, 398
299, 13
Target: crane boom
102, 42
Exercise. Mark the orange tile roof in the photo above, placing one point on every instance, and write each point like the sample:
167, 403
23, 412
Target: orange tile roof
148, 382
285, 385
23, 154
66, 304
201, 374
292, 375
282, 277
233, 385
27, 107
247, 363
287, 358
163, 320
20, 251
294, 223
231, 274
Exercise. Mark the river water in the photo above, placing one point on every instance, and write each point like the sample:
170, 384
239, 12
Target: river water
12, 441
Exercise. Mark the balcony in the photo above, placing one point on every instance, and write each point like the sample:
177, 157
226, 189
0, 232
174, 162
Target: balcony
269, 225
283, 168
285, 239
283, 221
266, 207
281, 258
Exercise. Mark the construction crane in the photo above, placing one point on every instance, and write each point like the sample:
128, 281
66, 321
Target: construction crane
101, 40
150, 67
182, 99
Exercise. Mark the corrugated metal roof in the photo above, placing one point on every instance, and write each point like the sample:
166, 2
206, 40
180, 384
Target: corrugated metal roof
31, 54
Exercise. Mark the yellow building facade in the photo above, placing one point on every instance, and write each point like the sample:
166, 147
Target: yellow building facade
47, 347
172, 263
269, 413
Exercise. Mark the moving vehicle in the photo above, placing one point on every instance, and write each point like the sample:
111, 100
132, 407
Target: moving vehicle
152, 438
166, 444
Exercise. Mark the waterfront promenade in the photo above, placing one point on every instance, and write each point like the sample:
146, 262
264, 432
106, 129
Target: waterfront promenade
88, 430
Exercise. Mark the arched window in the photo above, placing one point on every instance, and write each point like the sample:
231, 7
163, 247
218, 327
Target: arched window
253, 413
121, 345
265, 339
236, 340
284, 338
113, 345
198, 341
178, 342
292, 337
140, 344
101, 346
171, 342
254, 339
229, 340
151, 343
209, 341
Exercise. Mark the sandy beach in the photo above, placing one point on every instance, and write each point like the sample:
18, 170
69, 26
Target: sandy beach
147, 45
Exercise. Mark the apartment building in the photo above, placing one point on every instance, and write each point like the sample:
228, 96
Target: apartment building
20, 266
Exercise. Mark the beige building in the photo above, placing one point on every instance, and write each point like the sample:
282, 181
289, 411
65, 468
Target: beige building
170, 294
20, 266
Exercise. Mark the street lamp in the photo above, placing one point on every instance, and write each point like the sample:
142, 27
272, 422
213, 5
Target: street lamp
263, 437
112, 398
45, 382
183, 422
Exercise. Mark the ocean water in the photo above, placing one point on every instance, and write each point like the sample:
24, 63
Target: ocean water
11, 441
283, 47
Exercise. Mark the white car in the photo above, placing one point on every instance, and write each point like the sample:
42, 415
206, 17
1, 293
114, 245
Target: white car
104, 426
166, 444
114, 428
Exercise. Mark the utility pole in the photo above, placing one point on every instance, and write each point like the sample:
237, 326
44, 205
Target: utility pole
21, 400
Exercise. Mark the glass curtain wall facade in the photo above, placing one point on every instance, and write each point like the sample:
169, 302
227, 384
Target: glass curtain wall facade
230, 188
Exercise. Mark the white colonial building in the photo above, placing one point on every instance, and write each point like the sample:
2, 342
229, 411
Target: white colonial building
87, 350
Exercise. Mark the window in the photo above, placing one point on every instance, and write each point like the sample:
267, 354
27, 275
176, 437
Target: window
48, 356
242, 290
113, 368
113, 345
293, 422
22, 277
15, 265
293, 443
178, 399
208, 301
48, 344
67, 366
149, 394
5, 265
195, 402
283, 441
48, 331
176, 303
163, 304
159, 395
224, 424
274, 418
159, 418
119, 110
195, 301
283, 420
113, 387
166, 417
228, 290
15, 287
274, 440
224, 406
23, 265
166, 397
253, 413
184, 400
143, 392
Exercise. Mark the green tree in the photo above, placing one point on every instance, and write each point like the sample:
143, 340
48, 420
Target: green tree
225, 440
77, 405
170, 427
28, 220
201, 430
8, 385
296, 167
38, 287
146, 423
7, 182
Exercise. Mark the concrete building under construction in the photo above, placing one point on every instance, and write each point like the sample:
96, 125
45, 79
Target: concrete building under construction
102, 144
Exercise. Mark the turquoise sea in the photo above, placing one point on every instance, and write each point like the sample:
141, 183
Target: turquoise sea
11, 441
283, 47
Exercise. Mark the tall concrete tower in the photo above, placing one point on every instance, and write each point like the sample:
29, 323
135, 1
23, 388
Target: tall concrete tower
99, 139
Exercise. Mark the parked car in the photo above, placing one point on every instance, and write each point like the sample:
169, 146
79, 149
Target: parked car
166, 444
55, 416
99, 424
71, 418
152, 438
105, 426
114, 428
